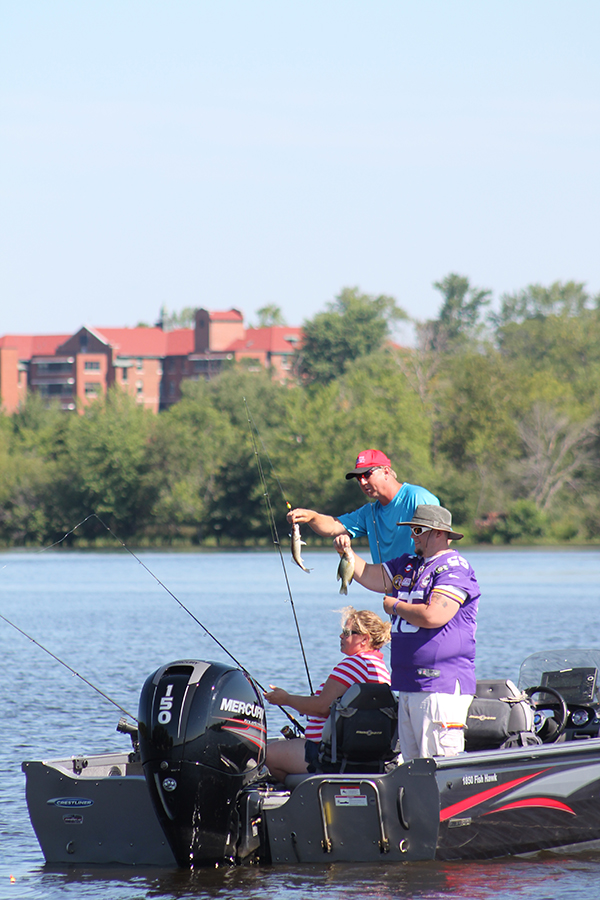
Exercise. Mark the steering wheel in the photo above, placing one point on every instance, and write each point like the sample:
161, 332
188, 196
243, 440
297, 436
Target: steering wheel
551, 729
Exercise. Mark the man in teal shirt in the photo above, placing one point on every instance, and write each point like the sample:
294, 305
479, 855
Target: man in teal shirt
394, 502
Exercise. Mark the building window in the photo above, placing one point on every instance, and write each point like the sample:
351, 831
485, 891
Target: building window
56, 390
92, 364
125, 374
140, 365
139, 388
92, 388
83, 343
54, 368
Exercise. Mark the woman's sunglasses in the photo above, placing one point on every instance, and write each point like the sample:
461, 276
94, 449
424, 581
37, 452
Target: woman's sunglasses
346, 632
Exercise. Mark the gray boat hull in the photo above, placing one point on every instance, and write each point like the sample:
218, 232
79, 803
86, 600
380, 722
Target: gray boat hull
93, 816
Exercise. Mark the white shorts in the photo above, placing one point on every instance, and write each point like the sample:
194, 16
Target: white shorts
431, 724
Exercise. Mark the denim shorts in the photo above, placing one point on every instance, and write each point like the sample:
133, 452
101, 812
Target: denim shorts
311, 755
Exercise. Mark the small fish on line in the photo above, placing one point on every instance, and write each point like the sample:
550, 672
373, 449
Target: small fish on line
345, 572
296, 547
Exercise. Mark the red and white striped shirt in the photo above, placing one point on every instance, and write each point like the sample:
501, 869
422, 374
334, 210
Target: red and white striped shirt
364, 668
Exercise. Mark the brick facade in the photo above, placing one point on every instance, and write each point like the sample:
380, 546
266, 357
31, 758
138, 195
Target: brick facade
149, 363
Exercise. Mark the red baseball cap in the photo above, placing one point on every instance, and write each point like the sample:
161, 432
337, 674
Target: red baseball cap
368, 459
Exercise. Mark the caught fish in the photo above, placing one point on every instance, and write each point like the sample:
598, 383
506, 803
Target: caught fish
345, 572
296, 547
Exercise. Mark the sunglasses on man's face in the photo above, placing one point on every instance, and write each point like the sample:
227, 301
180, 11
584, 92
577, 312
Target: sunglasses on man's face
416, 530
366, 475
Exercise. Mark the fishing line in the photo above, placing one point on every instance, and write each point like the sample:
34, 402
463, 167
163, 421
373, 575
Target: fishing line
66, 665
254, 434
190, 613
171, 594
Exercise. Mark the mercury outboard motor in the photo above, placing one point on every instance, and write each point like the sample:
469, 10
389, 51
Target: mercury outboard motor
202, 734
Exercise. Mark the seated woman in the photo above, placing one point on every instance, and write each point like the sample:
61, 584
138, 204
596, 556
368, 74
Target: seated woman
362, 637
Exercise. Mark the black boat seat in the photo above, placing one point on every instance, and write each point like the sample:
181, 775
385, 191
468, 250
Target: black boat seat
500, 716
361, 733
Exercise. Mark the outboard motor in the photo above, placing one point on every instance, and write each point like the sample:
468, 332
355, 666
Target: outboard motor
202, 735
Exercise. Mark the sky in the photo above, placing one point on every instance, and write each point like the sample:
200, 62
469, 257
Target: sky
238, 154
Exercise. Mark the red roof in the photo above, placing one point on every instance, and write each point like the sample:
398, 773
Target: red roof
155, 342
225, 315
28, 345
135, 341
180, 342
275, 339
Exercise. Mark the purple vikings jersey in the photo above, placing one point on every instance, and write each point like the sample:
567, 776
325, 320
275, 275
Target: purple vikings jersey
434, 659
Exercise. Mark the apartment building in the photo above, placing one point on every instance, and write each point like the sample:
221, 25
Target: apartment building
148, 363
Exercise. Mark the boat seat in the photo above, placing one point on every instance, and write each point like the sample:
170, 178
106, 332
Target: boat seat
292, 781
361, 733
500, 716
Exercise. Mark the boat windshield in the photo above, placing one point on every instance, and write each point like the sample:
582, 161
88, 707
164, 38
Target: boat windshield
572, 672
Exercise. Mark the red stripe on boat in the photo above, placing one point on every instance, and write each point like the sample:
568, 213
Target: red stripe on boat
544, 802
469, 802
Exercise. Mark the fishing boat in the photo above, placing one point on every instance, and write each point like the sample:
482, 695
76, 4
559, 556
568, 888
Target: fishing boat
193, 790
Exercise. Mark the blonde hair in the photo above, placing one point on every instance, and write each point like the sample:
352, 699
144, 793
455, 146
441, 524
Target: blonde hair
367, 622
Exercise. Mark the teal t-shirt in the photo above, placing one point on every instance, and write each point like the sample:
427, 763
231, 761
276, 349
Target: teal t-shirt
386, 539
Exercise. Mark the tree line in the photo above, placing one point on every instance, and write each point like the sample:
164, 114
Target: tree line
494, 411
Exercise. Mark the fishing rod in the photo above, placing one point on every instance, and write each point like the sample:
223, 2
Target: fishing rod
49, 652
291, 718
67, 666
254, 434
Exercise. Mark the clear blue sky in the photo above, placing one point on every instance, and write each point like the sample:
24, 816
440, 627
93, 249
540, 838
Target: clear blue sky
244, 152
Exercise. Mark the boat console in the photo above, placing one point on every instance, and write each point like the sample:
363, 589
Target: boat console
563, 685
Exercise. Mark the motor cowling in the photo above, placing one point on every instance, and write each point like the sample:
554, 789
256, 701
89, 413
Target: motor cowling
202, 735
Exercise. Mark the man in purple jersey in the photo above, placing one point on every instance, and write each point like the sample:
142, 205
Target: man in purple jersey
434, 607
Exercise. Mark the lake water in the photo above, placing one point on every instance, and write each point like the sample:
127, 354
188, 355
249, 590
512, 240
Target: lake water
109, 619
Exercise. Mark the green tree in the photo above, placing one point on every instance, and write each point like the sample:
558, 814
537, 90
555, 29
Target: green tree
106, 466
354, 325
185, 318
235, 504
32, 442
475, 433
523, 523
26, 483
554, 331
537, 302
186, 453
371, 405
269, 315
458, 321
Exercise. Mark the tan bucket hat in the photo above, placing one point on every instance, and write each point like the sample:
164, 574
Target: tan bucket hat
436, 517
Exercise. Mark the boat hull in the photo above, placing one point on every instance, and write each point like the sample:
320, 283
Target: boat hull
519, 800
93, 817
475, 806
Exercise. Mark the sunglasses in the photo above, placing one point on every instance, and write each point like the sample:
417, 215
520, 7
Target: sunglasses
366, 475
346, 632
416, 530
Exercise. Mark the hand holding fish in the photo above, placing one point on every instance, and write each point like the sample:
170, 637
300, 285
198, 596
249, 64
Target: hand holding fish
300, 516
342, 543
296, 547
